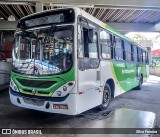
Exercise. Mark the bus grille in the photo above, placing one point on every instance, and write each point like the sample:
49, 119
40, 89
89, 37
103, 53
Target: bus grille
36, 83
38, 92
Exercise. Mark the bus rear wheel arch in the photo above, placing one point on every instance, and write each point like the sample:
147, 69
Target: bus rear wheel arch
106, 97
139, 87
108, 93
110, 82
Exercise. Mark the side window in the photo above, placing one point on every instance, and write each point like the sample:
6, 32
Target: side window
106, 49
129, 53
139, 54
144, 56
87, 46
135, 53
90, 38
138, 59
80, 42
87, 43
119, 49
132, 53
147, 58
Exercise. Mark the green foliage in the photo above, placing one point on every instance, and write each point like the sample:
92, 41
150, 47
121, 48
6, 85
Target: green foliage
138, 36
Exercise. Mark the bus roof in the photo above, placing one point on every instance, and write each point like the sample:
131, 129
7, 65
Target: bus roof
90, 17
109, 28
47, 11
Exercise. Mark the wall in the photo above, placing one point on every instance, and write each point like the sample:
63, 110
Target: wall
8, 44
8, 49
155, 71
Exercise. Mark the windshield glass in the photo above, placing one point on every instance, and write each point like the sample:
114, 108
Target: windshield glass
43, 51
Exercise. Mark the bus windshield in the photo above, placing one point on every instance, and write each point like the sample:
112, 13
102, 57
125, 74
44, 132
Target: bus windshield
44, 50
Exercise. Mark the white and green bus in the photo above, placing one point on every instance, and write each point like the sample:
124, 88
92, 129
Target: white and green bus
67, 61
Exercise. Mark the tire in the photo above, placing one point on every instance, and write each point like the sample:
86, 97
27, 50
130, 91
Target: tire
139, 87
106, 97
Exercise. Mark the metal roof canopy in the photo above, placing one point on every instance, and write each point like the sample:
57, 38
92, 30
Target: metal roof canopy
135, 15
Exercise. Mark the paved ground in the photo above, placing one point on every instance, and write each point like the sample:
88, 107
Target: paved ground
147, 99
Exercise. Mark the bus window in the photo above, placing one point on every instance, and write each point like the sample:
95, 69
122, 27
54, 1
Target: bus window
90, 38
147, 59
119, 49
144, 56
128, 50
135, 53
105, 40
139, 54
80, 42
88, 49
132, 52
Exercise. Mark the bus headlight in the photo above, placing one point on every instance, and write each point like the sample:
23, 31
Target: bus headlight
64, 89
13, 86
59, 93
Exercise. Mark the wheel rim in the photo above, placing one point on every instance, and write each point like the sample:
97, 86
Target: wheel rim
106, 97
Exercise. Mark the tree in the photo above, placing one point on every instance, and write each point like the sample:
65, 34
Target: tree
138, 36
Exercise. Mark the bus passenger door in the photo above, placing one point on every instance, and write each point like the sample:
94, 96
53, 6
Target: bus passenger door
88, 68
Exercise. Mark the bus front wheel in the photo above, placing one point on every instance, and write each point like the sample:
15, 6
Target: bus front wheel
106, 97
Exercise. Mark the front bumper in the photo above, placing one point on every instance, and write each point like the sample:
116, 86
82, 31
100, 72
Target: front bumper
45, 103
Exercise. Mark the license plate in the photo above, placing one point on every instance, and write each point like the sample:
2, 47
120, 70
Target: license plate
60, 106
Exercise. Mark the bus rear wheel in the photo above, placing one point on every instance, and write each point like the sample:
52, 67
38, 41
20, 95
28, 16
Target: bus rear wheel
106, 97
139, 87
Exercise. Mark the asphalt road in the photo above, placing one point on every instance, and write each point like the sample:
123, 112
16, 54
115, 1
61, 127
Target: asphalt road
147, 99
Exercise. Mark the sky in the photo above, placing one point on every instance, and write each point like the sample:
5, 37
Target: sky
149, 36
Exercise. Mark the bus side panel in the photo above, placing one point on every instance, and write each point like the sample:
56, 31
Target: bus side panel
118, 68
111, 70
89, 92
131, 75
